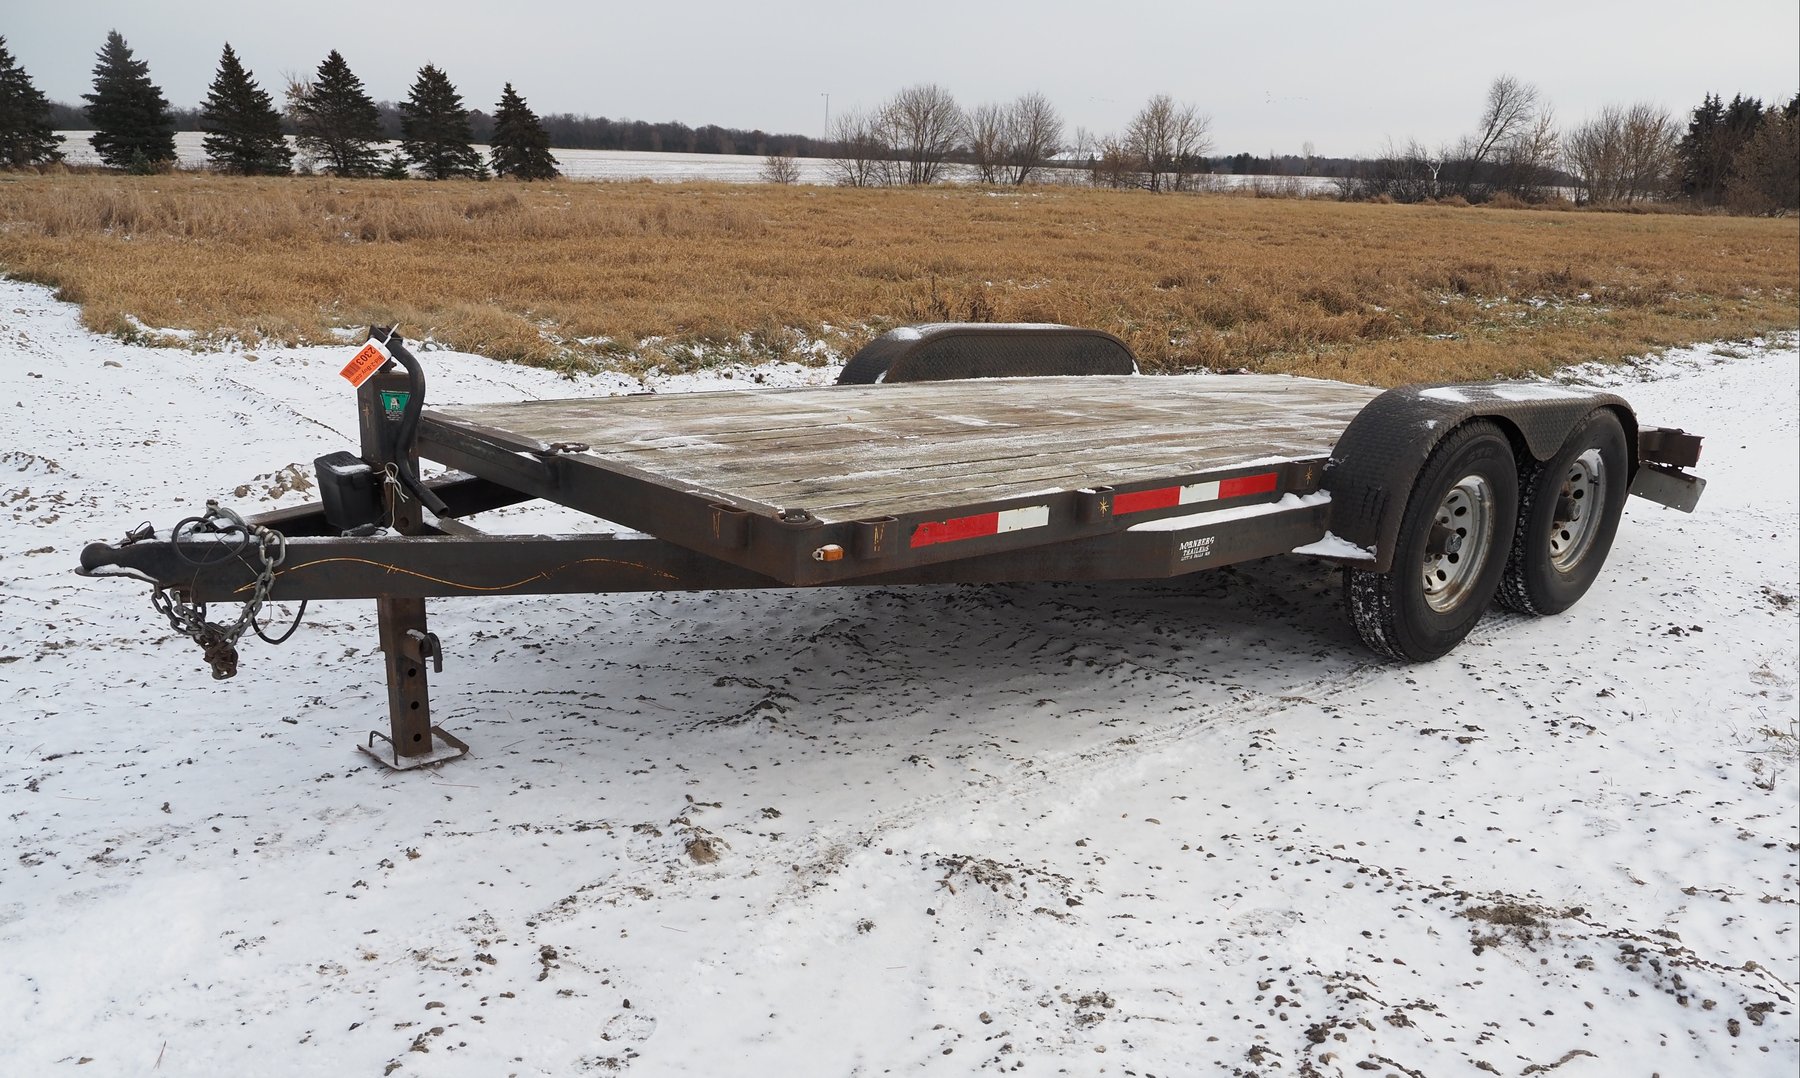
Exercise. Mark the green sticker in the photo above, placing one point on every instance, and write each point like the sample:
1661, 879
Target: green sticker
393, 402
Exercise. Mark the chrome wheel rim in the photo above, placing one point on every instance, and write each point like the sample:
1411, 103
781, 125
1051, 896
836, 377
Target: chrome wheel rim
1465, 521
1575, 519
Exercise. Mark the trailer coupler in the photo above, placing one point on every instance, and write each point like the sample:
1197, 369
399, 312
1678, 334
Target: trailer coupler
230, 539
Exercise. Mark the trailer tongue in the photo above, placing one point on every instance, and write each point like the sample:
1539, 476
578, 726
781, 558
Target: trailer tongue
1436, 500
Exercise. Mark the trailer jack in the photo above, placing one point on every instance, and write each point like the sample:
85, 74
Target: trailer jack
389, 444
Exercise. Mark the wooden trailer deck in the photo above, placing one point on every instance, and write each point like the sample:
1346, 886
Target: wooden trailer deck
847, 453
1102, 477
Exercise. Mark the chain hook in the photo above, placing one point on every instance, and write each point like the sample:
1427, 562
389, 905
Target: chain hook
218, 642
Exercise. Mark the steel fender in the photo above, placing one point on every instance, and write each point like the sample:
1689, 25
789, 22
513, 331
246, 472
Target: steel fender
1371, 470
943, 351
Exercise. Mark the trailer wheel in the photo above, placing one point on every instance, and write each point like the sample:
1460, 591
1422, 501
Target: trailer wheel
1450, 551
1569, 510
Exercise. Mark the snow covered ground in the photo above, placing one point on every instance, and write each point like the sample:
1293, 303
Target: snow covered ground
1184, 828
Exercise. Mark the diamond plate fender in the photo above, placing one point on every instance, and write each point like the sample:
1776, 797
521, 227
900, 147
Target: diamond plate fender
1372, 468
948, 350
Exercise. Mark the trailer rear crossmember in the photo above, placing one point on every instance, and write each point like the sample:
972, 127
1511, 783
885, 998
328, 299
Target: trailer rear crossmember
1437, 500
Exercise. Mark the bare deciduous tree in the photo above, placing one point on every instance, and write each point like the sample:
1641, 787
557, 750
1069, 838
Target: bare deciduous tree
295, 98
923, 125
1082, 148
1034, 135
1013, 143
1168, 140
1510, 107
1592, 153
1527, 160
1623, 154
1650, 141
1507, 115
1409, 174
780, 168
1115, 163
1148, 136
1514, 149
1415, 173
861, 154
987, 142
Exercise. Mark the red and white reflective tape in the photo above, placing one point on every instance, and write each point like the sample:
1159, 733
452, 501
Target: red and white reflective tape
1141, 501
1007, 520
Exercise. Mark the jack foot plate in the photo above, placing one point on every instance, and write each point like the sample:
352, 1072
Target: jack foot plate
443, 747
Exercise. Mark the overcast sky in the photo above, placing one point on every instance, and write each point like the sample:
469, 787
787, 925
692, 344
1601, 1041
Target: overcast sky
1345, 76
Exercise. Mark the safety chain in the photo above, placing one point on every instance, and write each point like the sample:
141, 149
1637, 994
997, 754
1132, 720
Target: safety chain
219, 641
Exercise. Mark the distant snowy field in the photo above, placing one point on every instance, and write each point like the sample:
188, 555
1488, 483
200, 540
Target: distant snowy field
575, 164
1185, 828
622, 165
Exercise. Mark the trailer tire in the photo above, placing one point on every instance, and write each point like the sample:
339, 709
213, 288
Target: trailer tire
1450, 551
1555, 557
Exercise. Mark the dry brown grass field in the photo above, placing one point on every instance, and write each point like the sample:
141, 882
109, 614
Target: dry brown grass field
633, 275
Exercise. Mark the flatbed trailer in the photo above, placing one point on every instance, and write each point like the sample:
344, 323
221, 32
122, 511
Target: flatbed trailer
993, 460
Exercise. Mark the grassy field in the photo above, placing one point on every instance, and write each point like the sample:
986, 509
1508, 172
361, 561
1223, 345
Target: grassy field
583, 275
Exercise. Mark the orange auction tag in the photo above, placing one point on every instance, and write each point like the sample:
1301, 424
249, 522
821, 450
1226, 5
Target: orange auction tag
372, 358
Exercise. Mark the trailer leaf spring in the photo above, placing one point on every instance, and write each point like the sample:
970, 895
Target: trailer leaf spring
237, 539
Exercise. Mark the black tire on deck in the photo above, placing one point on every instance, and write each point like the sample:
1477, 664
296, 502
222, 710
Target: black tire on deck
1451, 550
1569, 508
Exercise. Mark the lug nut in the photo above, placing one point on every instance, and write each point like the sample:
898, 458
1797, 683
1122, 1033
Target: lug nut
1442, 541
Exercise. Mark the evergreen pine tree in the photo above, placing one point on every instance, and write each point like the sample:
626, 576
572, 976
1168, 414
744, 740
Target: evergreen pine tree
1716, 132
434, 129
132, 125
337, 121
243, 130
1765, 175
521, 147
1742, 119
1701, 171
26, 137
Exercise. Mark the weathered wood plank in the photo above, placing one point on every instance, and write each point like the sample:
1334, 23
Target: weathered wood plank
847, 452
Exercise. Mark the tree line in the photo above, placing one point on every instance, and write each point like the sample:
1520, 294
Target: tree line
336, 125
1744, 156
567, 130
918, 134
